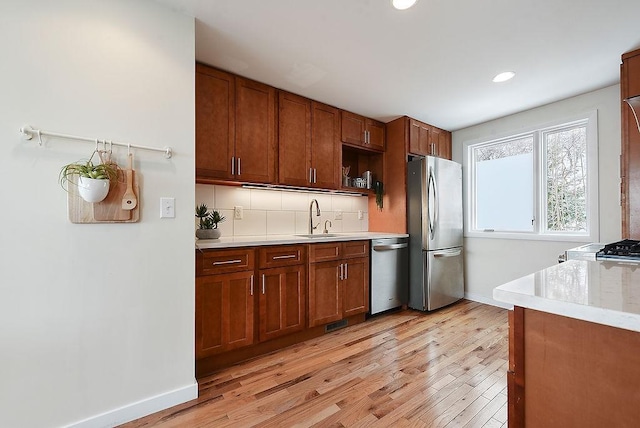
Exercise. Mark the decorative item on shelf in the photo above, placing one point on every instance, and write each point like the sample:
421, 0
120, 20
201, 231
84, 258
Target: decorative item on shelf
208, 226
93, 181
367, 176
346, 180
379, 191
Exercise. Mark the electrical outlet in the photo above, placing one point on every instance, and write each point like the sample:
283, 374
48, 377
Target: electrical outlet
360, 215
338, 215
167, 207
238, 212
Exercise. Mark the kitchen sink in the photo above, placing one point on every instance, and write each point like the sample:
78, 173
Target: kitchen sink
318, 235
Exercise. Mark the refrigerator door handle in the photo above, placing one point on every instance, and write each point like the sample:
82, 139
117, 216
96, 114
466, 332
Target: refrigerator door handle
432, 215
447, 253
389, 247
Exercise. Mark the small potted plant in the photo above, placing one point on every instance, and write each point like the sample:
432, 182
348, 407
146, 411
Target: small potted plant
93, 180
208, 225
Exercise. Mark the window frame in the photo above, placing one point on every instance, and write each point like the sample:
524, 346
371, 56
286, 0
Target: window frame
540, 231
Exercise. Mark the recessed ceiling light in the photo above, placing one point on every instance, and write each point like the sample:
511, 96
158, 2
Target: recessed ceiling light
403, 4
503, 77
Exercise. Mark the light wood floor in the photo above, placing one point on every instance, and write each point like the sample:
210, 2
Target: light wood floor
407, 368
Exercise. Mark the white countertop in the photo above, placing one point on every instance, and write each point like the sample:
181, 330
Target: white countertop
602, 292
249, 241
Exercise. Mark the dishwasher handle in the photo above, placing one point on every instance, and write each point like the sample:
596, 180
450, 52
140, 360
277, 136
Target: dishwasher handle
389, 247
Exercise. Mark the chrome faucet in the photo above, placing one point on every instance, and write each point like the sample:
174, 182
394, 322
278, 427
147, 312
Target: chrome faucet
311, 226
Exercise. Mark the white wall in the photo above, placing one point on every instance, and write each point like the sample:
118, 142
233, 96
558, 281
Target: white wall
492, 262
96, 321
278, 212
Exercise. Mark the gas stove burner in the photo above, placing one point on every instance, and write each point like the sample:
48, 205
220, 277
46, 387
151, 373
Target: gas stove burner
626, 249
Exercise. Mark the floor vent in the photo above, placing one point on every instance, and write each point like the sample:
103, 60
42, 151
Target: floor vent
335, 326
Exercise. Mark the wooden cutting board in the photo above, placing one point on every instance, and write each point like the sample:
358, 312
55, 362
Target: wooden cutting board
109, 210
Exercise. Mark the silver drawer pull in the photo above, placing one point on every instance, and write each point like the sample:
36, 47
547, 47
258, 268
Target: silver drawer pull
288, 256
227, 262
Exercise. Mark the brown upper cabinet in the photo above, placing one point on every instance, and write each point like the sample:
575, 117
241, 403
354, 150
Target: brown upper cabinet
362, 132
309, 142
427, 140
235, 128
215, 122
419, 138
630, 162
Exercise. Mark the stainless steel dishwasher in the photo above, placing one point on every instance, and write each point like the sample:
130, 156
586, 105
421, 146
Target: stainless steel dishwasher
389, 273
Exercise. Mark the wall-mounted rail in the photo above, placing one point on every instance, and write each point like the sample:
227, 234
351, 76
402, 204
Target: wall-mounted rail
28, 133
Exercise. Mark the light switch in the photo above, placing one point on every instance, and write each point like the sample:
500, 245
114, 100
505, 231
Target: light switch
337, 215
360, 215
167, 207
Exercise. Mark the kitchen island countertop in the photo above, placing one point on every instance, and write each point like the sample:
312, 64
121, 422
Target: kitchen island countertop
249, 241
602, 292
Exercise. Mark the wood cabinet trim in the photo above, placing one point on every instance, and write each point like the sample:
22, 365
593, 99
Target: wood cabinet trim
281, 255
214, 262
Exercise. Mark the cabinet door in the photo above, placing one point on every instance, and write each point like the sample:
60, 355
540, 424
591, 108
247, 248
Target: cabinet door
294, 139
224, 312
282, 301
444, 145
419, 138
325, 145
440, 143
325, 293
355, 286
255, 132
215, 122
376, 135
353, 127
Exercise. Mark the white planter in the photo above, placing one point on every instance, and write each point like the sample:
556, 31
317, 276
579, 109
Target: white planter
93, 190
207, 233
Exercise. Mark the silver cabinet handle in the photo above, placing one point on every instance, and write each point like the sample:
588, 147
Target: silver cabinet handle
263, 288
233, 165
448, 253
288, 256
227, 262
310, 176
252, 285
346, 271
314, 175
389, 247
341, 270
239, 166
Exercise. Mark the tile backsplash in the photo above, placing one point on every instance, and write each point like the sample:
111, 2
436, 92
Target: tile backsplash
280, 212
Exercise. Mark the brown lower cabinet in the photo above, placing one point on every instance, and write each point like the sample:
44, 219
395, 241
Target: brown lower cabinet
250, 301
224, 312
338, 281
282, 301
566, 372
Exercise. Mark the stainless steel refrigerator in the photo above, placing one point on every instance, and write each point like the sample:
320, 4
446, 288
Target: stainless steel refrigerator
434, 219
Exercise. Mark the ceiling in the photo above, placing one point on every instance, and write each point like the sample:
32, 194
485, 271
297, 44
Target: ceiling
433, 62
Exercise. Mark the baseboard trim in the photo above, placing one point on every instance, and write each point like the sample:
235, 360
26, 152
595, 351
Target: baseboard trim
486, 300
140, 408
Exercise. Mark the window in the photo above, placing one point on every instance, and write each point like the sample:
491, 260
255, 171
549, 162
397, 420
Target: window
539, 184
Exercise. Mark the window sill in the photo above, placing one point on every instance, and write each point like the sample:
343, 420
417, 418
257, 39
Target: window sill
532, 237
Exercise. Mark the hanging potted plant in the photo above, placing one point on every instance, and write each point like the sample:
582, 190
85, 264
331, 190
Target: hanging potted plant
93, 181
208, 225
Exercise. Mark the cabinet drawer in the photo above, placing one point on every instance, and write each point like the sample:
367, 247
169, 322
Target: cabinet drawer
224, 261
284, 255
324, 252
355, 249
